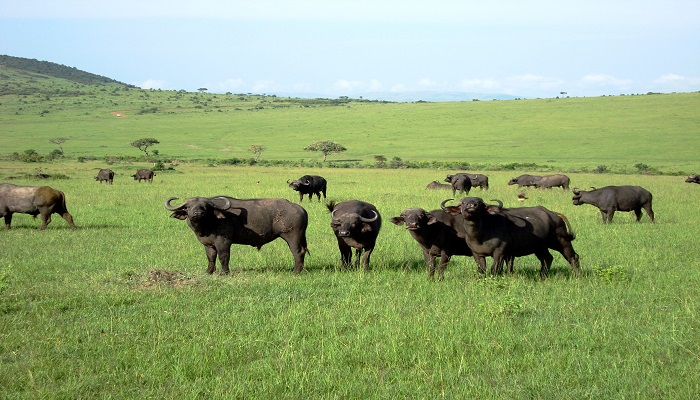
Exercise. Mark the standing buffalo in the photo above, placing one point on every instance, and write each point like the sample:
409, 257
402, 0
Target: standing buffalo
144, 174
33, 200
219, 222
616, 198
515, 232
106, 175
437, 185
479, 180
460, 183
525, 180
356, 225
438, 235
693, 179
309, 184
550, 181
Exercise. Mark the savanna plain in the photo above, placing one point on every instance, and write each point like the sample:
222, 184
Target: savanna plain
122, 307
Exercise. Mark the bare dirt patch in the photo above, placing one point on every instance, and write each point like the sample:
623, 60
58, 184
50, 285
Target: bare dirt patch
158, 277
119, 114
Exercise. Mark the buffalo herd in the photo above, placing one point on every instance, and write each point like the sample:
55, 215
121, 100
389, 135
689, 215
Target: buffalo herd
469, 227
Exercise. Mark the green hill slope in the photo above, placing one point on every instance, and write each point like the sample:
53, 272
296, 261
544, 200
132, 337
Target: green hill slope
567, 134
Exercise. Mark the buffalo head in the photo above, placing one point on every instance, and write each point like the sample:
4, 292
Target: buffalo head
198, 208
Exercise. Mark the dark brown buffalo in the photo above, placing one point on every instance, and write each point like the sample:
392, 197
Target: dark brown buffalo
219, 222
525, 180
438, 235
309, 184
693, 179
356, 225
437, 185
33, 200
144, 174
460, 183
616, 198
550, 181
479, 180
493, 231
105, 175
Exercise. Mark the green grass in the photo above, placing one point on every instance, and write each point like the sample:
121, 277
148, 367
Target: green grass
567, 134
83, 316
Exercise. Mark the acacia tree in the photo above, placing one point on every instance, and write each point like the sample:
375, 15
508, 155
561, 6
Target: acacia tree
144, 144
326, 147
257, 149
58, 141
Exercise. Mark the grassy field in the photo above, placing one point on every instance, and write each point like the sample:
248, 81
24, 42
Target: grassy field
122, 308
566, 134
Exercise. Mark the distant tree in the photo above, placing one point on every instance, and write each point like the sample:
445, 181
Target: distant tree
379, 161
144, 144
326, 147
257, 149
202, 89
58, 141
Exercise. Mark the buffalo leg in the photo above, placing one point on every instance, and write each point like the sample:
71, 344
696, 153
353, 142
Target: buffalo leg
444, 259
301, 197
8, 220
638, 213
345, 253
545, 261
430, 261
211, 257
45, 220
649, 211
480, 263
69, 219
365, 257
299, 252
224, 257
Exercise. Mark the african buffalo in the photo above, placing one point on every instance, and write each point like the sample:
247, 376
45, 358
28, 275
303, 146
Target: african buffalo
144, 174
33, 200
106, 175
514, 232
219, 222
479, 180
525, 180
356, 225
616, 198
550, 181
309, 184
693, 179
438, 235
460, 183
437, 185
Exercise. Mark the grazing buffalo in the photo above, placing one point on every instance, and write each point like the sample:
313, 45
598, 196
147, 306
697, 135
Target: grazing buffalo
479, 180
33, 200
106, 175
550, 181
460, 183
438, 235
219, 222
616, 198
356, 225
525, 180
693, 179
144, 174
514, 232
434, 185
309, 184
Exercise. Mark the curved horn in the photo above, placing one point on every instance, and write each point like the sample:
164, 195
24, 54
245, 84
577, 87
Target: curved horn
287, 181
500, 203
593, 188
442, 205
333, 214
225, 207
173, 208
376, 216
576, 191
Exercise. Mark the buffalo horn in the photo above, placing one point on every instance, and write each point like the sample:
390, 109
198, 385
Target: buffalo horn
363, 219
500, 203
576, 191
442, 205
225, 207
173, 208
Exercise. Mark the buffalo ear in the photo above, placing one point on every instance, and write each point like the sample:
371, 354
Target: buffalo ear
454, 210
366, 228
218, 214
180, 214
397, 220
493, 210
431, 219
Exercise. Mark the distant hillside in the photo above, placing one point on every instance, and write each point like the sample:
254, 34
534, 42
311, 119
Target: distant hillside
54, 70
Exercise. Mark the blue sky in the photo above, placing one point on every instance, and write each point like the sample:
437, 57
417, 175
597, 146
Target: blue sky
356, 48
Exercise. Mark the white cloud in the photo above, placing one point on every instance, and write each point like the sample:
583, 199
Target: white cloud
153, 84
